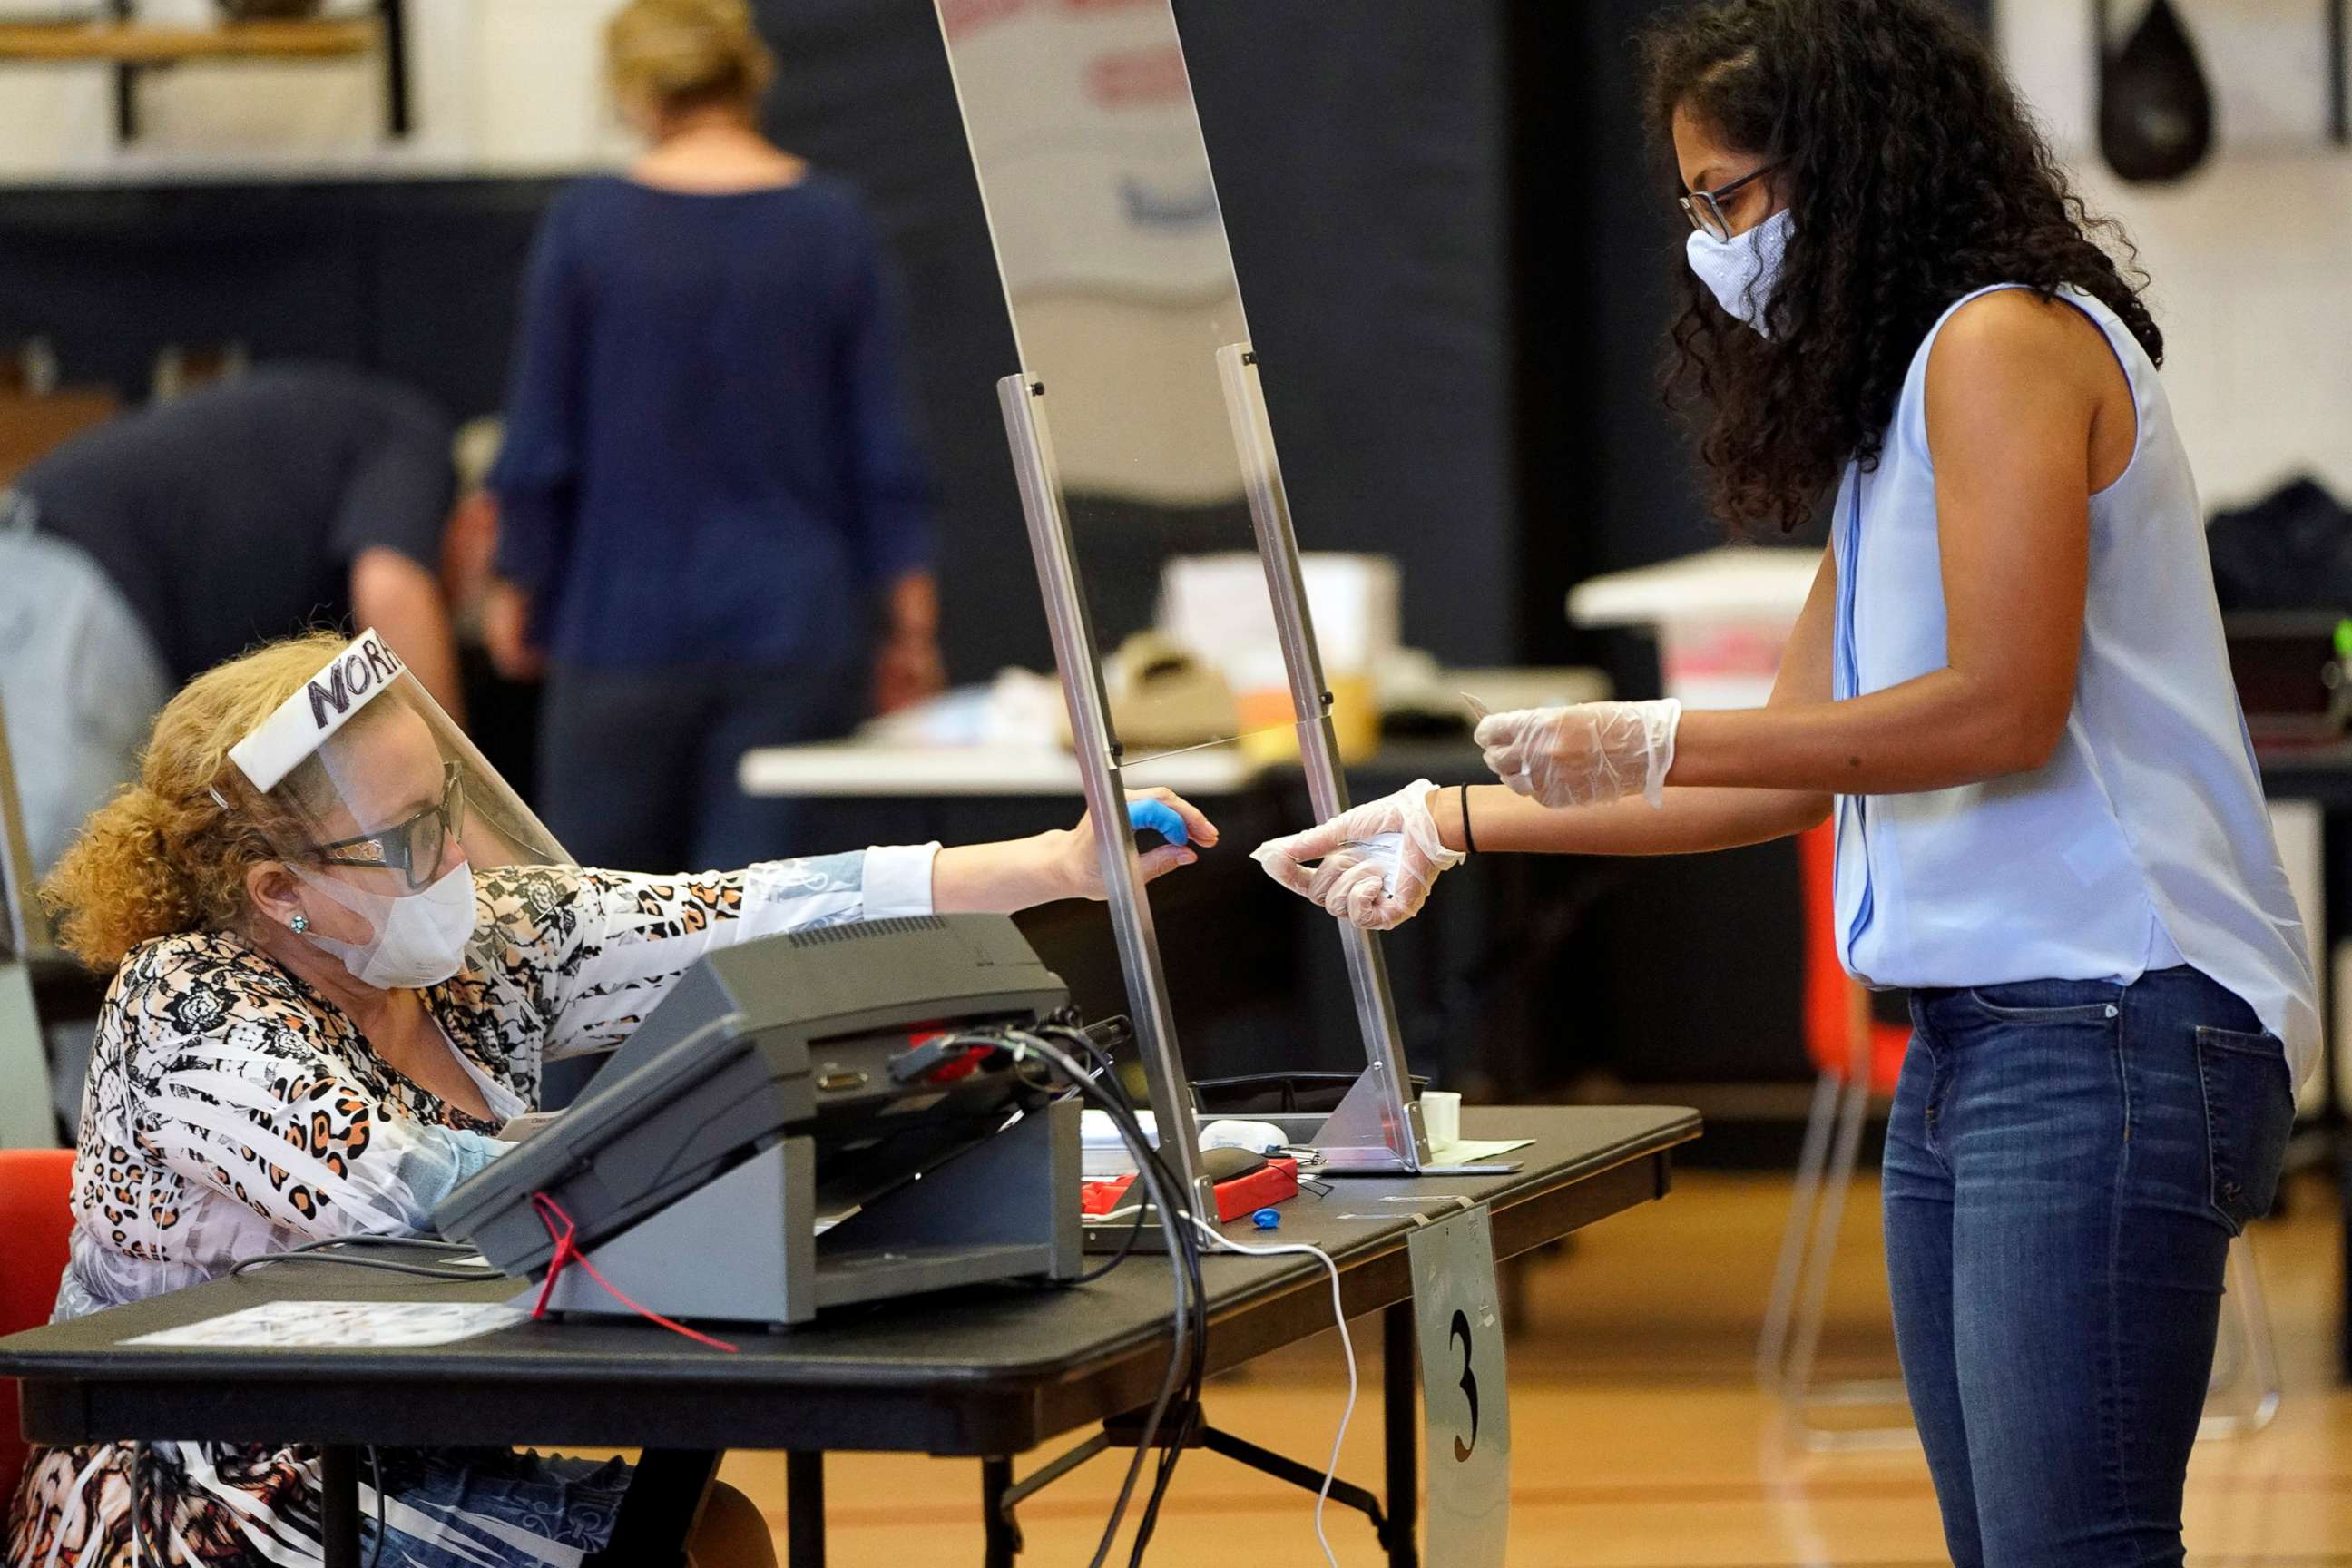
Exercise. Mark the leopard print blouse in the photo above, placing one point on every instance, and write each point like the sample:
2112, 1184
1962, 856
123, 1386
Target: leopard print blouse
231, 1111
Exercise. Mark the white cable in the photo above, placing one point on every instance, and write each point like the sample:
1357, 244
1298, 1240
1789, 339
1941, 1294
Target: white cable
1347, 1348
1021, 1041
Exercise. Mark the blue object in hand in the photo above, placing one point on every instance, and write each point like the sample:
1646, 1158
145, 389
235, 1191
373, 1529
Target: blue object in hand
1158, 816
1266, 1219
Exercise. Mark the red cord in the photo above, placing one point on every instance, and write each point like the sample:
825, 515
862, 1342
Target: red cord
567, 1252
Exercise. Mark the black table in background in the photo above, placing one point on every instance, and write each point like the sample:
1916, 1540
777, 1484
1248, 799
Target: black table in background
2323, 776
984, 1373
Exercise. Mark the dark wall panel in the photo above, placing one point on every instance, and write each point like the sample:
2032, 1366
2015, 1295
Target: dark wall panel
1361, 156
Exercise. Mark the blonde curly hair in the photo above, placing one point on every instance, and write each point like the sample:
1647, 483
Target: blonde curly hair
164, 857
683, 54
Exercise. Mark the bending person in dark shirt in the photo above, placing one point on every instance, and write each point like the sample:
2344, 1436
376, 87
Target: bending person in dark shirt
708, 489
164, 542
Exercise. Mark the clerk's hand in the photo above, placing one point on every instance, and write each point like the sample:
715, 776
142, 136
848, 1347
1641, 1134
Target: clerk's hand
1371, 867
1082, 864
1590, 754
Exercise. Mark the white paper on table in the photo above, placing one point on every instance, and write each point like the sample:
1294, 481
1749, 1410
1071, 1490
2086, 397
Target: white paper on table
327, 1325
1473, 1150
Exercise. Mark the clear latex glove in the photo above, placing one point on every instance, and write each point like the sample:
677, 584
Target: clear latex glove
1590, 754
1372, 866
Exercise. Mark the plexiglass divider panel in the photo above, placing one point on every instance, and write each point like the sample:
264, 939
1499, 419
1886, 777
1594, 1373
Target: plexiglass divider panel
1111, 249
1159, 480
1381, 1125
1022, 402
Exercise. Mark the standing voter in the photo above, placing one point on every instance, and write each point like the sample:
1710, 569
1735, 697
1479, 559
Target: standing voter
2010, 689
708, 497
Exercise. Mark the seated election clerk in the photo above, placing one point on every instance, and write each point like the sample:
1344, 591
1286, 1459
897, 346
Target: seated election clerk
345, 950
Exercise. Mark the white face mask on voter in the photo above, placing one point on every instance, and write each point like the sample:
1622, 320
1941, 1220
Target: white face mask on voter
1742, 272
420, 938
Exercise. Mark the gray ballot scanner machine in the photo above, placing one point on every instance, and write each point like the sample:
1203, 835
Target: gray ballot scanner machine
797, 1084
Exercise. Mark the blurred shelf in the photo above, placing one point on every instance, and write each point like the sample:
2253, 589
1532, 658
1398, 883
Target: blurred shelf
129, 46
148, 44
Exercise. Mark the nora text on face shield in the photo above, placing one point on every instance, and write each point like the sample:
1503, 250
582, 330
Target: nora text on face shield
2008, 692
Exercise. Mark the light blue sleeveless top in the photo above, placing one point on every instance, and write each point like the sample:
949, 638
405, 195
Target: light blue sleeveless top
2143, 842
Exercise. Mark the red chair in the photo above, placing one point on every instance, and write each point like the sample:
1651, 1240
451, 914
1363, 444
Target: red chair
1859, 1059
36, 1186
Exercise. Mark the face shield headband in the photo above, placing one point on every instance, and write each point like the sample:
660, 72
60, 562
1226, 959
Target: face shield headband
328, 700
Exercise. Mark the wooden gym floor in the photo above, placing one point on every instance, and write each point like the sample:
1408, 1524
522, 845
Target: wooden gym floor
1640, 1441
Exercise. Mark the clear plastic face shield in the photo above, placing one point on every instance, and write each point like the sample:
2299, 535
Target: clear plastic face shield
377, 802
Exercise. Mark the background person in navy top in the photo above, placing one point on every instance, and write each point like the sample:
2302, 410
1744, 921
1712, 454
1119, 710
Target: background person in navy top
2009, 682
708, 484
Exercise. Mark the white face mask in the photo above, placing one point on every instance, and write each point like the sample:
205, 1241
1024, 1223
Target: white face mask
420, 938
1742, 272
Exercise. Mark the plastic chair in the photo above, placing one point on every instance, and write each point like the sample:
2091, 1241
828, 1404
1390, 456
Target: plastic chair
35, 1188
1859, 1059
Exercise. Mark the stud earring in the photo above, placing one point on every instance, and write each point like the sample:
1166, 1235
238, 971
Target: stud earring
300, 923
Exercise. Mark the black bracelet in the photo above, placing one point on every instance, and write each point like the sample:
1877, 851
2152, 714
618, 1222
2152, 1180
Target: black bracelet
1469, 843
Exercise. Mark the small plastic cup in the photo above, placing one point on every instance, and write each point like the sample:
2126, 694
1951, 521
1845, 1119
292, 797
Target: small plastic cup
1441, 1117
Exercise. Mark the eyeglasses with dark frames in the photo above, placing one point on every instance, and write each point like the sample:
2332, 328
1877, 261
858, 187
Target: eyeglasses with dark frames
423, 840
1705, 209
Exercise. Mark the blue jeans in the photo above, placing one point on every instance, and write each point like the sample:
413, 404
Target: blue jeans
463, 1507
2066, 1163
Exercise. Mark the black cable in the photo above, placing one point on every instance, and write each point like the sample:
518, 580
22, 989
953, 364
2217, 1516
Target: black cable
1108, 1070
1189, 1316
1106, 1076
1189, 1351
1126, 1248
1188, 1306
382, 1265
1186, 1254
1190, 1407
374, 1238
1165, 1470
375, 1481
318, 1251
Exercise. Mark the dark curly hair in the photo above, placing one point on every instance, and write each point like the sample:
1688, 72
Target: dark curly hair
1914, 177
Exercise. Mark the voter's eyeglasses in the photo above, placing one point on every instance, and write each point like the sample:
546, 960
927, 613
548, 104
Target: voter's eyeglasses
1706, 209
416, 847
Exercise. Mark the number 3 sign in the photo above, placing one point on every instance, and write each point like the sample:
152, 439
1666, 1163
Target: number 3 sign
1466, 1399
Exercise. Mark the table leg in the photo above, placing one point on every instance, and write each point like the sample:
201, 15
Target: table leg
339, 1505
1401, 1429
659, 1512
1001, 1537
805, 1510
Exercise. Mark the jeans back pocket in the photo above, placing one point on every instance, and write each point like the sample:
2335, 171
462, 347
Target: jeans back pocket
2249, 1115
